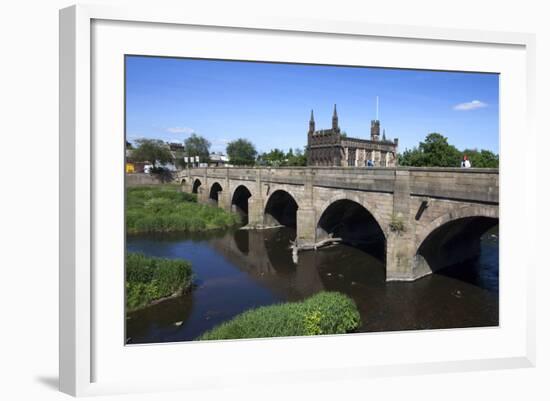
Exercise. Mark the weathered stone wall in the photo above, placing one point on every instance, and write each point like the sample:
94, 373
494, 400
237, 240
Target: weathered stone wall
419, 199
143, 179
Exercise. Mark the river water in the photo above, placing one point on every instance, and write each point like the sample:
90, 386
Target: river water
241, 269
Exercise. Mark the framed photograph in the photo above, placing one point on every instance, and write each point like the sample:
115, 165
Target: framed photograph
271, 198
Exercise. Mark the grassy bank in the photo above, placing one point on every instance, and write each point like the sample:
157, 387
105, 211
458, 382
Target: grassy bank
324, 313
150, 279
163, 209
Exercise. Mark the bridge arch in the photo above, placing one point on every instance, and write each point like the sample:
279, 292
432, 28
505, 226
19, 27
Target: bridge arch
352, 222
196, 186
239, 200
461, 213
280, 209
453, 237
214, 193
361, 201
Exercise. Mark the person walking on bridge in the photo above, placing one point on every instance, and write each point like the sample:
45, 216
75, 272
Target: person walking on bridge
465, 162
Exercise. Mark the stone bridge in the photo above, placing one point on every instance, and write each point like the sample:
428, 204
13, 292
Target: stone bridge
424, 218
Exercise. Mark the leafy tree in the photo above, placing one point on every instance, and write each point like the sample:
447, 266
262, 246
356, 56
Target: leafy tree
241, 152
296, 158
438, 153
275, 157
197, 145
435, 151
482, 158
411, 157
153, 151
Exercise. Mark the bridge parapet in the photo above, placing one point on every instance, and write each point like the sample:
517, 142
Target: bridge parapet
475, 185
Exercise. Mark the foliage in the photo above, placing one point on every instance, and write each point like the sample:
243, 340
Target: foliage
241, 152
435, 151
482, 158
153, 151
149, 279
277, 157
164, 209
324, 313
196, 145
296, 158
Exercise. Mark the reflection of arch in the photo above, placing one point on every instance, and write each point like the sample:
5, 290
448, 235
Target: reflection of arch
280, 209
196, 185
468, 211
242, 240
355, 198
215, 189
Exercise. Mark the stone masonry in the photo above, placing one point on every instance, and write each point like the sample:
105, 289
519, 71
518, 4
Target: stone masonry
420, 200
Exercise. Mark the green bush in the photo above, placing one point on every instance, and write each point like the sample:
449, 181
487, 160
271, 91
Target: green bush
164, 208
149, 279
324, 313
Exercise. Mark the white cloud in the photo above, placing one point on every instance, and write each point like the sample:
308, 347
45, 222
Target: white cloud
474, 104
180, 130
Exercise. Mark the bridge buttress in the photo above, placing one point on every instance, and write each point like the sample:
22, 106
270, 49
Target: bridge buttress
256, 203
400, 249
305, 215
224, 200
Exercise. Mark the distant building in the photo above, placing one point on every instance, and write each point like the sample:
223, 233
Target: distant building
218, 160
330, 147
177, 150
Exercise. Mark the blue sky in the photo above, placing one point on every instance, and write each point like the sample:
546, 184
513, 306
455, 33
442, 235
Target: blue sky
269, 104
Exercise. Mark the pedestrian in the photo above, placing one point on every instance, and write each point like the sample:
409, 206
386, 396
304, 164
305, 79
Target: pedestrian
465, 162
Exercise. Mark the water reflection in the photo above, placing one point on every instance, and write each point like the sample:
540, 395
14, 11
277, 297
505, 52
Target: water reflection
243, 269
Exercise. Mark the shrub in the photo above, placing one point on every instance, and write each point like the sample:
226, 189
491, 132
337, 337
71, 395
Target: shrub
149, 279
164, 208
397, 224
324, 313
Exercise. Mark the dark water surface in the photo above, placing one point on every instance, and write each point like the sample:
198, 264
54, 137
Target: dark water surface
243, 269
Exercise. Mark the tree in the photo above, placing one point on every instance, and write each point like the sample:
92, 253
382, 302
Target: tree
275, 157
482, 159
241, 152
438, 153
153, 151
296, 158
197, 145
435, 151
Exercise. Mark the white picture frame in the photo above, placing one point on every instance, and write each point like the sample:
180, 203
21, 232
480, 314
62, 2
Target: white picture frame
83, 327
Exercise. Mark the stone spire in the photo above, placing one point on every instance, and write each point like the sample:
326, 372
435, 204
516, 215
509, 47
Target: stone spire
384, 134
311, 123
335, 119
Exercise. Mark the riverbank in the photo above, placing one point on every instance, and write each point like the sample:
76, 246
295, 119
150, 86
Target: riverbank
165, 209
150, 280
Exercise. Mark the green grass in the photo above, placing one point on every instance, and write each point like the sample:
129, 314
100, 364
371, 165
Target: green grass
324, 313
164, 209
149, 279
